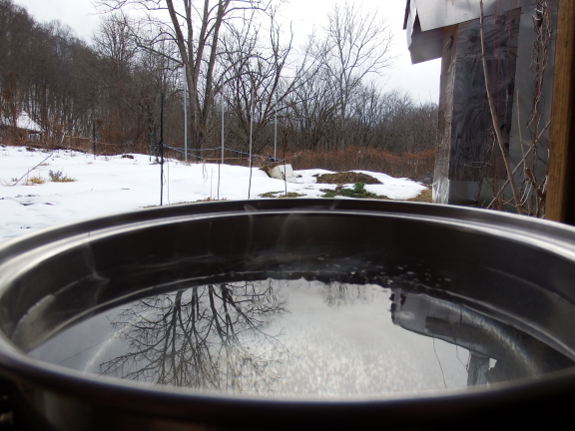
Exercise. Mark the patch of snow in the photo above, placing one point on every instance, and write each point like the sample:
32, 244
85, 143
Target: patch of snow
23, 121
114, 184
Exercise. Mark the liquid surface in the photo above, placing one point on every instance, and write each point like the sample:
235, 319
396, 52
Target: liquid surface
300, 338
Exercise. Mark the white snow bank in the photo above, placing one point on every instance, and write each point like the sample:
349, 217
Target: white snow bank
115, 184
23, 121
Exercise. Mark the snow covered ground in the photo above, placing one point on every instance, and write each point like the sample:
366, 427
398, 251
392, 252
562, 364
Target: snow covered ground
115, 184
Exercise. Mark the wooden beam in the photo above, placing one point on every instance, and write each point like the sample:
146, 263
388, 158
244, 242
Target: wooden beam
560, 205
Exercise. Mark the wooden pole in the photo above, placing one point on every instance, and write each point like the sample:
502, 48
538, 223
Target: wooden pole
560, 205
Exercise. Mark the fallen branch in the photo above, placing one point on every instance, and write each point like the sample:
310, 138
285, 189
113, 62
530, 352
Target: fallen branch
30, 170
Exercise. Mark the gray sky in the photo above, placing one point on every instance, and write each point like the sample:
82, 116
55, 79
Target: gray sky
421, 80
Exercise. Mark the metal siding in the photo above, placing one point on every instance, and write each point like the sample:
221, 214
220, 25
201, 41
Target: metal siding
442, 13
426, 18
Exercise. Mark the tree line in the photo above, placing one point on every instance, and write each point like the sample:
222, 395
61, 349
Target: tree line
228, 63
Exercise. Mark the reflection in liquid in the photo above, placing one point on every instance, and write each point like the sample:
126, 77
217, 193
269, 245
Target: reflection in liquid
304, 338
497, 352
203, 337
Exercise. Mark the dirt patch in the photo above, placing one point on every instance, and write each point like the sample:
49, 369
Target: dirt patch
424, 196
347, 178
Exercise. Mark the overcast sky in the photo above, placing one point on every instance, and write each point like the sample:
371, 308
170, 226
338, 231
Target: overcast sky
421, 80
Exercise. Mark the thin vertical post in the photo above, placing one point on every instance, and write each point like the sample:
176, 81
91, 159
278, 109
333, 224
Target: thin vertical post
155, 140
222, 149
276, 131
94, 138
251, 143
223, 130
152, 141
161, 144
560, 205
185, 113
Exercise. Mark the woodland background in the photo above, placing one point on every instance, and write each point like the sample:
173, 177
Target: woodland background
232, 63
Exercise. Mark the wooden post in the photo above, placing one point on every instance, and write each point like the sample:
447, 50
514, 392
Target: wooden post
560, 205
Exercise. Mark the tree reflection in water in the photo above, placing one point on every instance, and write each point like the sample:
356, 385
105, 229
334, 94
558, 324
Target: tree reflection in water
332, 340
208, 337
336, 294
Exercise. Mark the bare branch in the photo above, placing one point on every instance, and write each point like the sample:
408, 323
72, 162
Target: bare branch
494, 119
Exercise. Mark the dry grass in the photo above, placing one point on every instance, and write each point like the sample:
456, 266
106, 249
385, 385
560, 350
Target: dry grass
347, 178
281, 195
60, 177
424, 196
34, 181
412, 165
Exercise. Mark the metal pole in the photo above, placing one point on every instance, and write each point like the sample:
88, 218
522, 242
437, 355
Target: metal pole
223, 129
222, 150
251, 143
185, 114
155, 139
94, 138
161, 144
276, 133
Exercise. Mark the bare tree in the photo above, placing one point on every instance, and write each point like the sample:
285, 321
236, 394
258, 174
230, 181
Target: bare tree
196, 29
114, 40
130, 80
357, 45
312, 117
260, 77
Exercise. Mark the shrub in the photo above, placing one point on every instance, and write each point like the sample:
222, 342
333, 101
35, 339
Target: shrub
59, 177
358, 192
